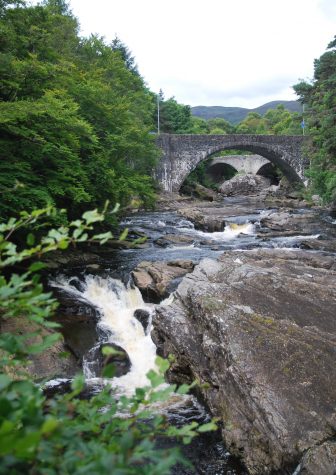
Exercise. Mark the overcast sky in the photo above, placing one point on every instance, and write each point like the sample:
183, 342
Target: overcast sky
217, 52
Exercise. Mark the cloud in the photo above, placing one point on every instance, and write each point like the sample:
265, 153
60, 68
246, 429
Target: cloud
217, 51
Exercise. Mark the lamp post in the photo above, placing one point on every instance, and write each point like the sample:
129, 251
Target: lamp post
158, 113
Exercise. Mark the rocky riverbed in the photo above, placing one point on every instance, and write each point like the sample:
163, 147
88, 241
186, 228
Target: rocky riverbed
253, 320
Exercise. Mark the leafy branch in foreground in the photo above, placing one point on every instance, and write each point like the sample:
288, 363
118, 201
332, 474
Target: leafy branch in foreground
68, 434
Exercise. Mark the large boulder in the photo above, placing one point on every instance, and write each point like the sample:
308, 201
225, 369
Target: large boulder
244, 185
203, 219
156, 280
258, 330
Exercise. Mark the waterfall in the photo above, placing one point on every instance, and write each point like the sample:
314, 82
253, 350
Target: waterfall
116, 304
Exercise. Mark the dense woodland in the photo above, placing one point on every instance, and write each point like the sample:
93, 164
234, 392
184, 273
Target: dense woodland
75, 115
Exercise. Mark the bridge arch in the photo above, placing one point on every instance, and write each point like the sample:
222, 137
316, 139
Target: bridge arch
182, 153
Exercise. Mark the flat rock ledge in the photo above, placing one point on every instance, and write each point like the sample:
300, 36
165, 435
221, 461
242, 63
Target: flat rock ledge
258, 330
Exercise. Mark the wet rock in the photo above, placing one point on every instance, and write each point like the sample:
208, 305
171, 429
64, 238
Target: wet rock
79, 331
59, 259
319, 245
63, 386
303, 223
319, 460
97, 361
199, 191
157, 279
144, 317
209, 222
258, 329
244, 185
174, 239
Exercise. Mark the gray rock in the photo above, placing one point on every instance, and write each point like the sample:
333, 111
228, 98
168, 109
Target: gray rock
320, 460
144, 318
157, 279
258, 329
244, 185
174, 239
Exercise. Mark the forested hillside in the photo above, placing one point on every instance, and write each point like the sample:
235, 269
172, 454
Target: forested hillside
237, 114
75, 114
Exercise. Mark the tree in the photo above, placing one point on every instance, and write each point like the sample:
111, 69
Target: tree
217, 124
175, 118
252, 124
118, 46
75, 118
319, 98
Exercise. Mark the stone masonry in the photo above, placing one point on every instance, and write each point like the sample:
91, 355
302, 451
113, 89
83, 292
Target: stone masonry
182, 153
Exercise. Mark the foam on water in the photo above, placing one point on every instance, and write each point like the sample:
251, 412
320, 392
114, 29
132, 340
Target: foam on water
116, 304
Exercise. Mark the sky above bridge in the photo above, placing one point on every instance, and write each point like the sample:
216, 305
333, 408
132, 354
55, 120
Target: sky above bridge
217, 52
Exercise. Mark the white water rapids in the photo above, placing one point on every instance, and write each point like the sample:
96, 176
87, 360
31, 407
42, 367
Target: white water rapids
116, 304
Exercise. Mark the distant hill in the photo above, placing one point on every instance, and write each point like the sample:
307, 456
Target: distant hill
237, 114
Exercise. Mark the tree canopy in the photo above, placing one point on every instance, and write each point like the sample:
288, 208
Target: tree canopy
319, 98
75, 114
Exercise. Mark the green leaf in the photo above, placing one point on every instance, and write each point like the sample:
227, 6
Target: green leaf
78, 383
210, 426
108, 350
26, 446
103, 237
36, 266
49, 425
155, 378
92, 216
5, 381
109, 371
30, 239
123, 235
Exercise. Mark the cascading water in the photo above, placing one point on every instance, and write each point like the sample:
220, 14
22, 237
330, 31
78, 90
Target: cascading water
116, 304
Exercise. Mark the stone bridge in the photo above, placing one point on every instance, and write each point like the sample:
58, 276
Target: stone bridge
182, 153
241, 163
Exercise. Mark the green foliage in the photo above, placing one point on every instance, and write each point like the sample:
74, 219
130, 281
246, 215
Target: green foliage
252, 124
278, 121
75, 115
319, 98
175, 118
220, 126
68, 434
199, 175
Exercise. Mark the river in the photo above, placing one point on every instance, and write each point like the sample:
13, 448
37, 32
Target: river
107, 288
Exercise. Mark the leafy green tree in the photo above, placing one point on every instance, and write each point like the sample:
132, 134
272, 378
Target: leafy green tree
280, 121
75, 115
217, 124
129, 60
199, 126
252, 124
319, 98
175, 118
